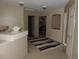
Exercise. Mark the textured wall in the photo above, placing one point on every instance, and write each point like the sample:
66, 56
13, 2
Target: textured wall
53, 33
11, 15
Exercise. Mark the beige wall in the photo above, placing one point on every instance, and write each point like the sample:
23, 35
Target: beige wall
53, 33
11, 15
70, 3
36, 14
75, 45
75, 41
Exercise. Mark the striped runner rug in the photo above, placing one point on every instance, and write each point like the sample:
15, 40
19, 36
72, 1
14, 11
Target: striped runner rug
44, 43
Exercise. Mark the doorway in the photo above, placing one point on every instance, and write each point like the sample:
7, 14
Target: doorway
42, 26
31, 26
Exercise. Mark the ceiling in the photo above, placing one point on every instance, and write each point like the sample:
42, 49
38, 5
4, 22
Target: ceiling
37, 4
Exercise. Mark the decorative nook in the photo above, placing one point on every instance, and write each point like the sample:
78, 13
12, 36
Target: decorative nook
56, 21
44, 43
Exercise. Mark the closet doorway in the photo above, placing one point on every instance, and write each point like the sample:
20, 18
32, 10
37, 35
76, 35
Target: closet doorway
42, 26
31, 26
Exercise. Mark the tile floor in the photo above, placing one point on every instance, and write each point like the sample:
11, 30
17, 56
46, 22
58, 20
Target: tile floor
34, 53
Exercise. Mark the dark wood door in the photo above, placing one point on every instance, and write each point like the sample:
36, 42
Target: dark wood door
30, 26
42, 26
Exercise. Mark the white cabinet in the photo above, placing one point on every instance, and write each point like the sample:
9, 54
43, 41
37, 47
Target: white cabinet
15, 48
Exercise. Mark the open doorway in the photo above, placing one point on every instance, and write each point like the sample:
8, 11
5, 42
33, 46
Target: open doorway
31, 26
42, 26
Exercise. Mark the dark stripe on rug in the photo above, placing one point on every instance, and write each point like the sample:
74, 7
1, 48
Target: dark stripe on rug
38, 40
43, 43
46, 47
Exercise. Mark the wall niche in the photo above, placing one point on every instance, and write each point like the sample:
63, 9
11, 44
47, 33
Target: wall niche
56, 21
